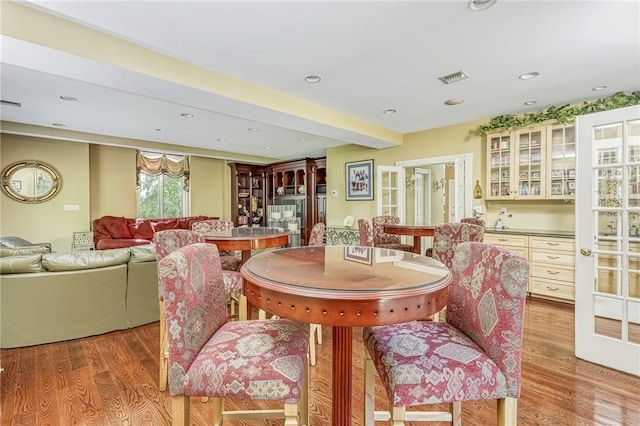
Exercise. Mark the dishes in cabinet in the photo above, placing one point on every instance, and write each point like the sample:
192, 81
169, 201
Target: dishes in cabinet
302, 189
280, 190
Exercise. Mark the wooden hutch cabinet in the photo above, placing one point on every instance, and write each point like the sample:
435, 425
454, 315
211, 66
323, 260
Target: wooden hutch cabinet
299, 186
249, 194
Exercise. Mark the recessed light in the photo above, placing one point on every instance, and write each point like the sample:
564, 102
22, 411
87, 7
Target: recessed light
478, 5
453, 101
389, 111
599, 88
161, 130
253, 129
312, 79
59, 124
267, 147
221, 140
531, 102
186, 115
529, 75
302, 139
69, 98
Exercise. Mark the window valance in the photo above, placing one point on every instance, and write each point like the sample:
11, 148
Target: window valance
153, 163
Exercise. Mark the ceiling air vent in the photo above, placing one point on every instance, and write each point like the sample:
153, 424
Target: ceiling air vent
453, 78
10, 103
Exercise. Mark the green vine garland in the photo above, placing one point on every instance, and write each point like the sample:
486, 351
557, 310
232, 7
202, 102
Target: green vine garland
565, 114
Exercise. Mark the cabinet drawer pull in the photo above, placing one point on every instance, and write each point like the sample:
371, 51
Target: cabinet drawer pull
553, 244
553, 257
503, 239
552, 288
553, 272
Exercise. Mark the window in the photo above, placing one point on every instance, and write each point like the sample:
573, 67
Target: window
163, 185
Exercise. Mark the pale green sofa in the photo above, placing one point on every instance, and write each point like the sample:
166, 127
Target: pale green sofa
53, 297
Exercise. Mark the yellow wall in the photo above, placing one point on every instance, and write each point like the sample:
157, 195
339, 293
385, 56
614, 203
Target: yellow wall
100, 180
48, 221
443, 141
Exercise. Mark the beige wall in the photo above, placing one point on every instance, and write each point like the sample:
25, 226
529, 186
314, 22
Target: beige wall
100, 180
444, 141
48, 221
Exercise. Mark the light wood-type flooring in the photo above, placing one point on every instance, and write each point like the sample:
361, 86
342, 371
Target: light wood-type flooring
112, 379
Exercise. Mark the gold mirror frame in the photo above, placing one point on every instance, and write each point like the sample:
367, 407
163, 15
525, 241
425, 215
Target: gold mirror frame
45, 185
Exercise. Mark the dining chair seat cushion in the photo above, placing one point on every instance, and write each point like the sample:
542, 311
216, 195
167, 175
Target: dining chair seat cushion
229, 261
426, 362
257, 360
232, 281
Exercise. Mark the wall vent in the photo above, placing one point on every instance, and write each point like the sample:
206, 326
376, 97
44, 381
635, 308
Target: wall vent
454, 78
10, 103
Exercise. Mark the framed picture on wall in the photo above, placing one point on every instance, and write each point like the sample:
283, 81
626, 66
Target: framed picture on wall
359, 180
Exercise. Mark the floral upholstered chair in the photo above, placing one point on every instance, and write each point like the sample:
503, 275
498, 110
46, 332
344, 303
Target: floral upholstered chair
228, 258
365, 232
447, 236
316, 239
384, 240
167, 242
217, 358
473, 221
474, 355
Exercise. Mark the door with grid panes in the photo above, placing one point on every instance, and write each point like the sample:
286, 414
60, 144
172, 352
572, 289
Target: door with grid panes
607, 323
500, 157
561, 162
529, 173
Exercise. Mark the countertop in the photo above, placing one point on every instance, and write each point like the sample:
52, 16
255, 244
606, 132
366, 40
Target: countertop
531, 232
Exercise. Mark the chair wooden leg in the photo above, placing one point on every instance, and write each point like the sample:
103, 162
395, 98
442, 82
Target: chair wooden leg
369, 389
456, 413
312, 343
290, 414
164, 356
218, 405
508, 412
303, 405
180, 410
319, 333
242, 308
398, 415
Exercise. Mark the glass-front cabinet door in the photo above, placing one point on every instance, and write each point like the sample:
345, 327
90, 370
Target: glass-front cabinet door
561, 162
530, 174
500, 157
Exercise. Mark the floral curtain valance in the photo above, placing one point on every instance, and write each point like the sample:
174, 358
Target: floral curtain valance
154, 163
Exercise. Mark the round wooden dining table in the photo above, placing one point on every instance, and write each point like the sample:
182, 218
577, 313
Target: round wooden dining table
345, 287
248, 238
415, 231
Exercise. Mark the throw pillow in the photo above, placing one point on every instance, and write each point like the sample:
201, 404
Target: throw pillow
117, 227
141, 229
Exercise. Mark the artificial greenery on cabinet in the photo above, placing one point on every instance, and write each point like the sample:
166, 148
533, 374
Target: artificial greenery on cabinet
565, 114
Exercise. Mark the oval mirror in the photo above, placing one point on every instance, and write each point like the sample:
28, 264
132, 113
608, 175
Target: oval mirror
30, 181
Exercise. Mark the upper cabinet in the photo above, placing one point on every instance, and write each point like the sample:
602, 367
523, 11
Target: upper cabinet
531, 164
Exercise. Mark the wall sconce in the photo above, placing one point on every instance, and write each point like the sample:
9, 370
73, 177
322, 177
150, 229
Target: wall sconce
410, 181
439, 184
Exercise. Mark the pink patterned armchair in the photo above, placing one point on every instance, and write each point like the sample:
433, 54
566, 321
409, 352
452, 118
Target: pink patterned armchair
316, 237
213, 357
384, 240
366, 233
228, 258
167, 242
448, 235
474, 355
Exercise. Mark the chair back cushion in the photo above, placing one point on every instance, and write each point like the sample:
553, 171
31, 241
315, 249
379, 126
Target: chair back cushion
191, 285
381, 237
172, 239
316, 238
448, 235
486, 302
205, 226
473, 221
365, 232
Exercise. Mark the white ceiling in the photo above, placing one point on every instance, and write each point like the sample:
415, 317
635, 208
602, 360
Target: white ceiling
371, 56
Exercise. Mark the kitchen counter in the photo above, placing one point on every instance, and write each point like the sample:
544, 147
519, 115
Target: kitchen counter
530, 232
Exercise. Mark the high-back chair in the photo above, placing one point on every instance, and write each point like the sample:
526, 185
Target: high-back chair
474, 355
365, 232
167, 242
473, 221
447, 236
217, 358
228, 258
385, 240
316, 239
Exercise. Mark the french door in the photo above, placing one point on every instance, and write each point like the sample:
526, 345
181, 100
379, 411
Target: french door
607, 322
390, 191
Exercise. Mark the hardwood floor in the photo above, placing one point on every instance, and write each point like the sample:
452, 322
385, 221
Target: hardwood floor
112, 380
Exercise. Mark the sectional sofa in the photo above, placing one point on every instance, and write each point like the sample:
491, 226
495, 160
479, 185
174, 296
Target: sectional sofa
53, 297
